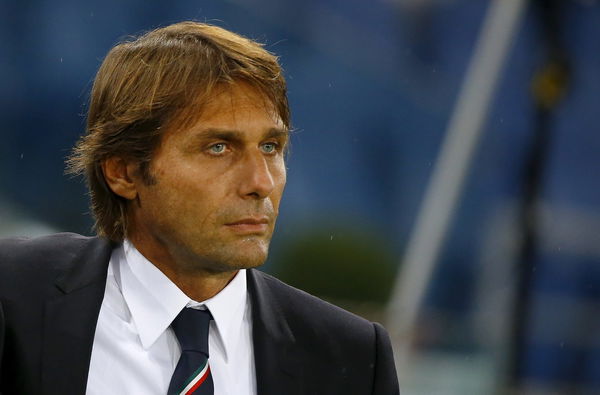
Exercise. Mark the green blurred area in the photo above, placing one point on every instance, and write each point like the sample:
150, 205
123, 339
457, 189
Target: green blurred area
344, 266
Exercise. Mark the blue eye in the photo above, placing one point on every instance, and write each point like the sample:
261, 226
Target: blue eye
218, 148
269, 147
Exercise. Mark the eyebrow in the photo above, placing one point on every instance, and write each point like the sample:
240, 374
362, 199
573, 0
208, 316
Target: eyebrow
236, 135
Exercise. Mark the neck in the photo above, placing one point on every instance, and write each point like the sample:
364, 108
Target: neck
198, 284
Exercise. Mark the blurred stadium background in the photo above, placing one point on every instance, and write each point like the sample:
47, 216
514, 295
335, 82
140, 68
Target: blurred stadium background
513, 300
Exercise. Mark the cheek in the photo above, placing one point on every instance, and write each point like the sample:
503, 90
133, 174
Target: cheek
280, 179
278, 170
282, 175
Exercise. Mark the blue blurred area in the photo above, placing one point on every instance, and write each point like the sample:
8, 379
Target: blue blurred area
372, 86
357, 87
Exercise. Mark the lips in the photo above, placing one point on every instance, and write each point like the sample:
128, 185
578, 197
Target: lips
250, 225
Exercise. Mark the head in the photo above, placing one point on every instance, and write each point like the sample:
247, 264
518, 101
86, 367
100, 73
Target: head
150, 95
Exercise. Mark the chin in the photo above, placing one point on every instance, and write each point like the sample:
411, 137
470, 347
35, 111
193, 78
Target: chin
242, 257
252, 250
248, 260
224, 265
217, 255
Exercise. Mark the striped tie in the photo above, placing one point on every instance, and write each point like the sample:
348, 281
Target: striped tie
192, 374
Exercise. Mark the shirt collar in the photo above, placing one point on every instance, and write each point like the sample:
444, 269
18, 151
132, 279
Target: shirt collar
154, 300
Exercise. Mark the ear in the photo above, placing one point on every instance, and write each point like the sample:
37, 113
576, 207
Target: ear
118, 174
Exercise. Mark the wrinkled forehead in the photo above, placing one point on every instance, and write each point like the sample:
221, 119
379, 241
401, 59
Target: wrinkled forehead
234, 96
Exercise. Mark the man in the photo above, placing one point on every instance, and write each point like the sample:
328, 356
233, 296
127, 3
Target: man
184, 158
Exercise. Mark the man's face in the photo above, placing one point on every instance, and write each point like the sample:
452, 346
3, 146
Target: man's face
217, 187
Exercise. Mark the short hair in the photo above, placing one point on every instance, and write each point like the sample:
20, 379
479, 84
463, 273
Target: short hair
156, 81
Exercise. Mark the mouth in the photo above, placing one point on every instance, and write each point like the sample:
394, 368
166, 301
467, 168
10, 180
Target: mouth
250, 225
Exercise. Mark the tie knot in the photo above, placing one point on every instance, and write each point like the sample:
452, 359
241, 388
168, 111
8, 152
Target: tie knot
191, 328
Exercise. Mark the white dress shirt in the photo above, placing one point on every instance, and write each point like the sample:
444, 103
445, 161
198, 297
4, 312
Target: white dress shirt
135, 351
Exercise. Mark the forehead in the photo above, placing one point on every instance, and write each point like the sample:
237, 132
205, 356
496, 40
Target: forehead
238, 108
235, 100
235, 103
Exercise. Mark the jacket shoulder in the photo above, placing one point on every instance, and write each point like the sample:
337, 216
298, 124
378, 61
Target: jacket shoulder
26, 260
326, 317
345, 353
15, 251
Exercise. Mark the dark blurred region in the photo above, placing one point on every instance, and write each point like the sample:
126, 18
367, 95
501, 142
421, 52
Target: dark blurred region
372, 85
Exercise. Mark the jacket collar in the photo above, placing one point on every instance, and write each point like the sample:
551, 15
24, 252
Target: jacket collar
70, 322
88, 263
70, 318
278, 369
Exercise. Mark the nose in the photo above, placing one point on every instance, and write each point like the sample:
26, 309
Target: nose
257, 180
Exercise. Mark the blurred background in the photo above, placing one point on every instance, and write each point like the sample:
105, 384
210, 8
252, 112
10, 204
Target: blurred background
508, 300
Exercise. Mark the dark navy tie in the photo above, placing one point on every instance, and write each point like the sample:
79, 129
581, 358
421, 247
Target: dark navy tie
192, 374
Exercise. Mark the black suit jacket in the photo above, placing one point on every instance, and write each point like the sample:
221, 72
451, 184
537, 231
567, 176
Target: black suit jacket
51, 290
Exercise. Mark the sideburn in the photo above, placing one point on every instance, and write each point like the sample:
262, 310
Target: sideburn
147, 177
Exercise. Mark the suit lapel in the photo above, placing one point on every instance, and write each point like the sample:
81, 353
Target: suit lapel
70, 320
70, 323
278, 369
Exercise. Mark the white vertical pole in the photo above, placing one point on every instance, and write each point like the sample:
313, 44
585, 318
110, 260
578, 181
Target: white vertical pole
451, 169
